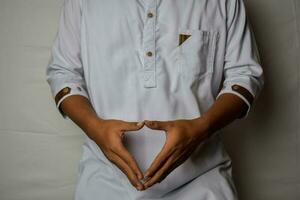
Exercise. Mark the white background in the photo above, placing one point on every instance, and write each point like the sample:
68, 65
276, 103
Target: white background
39, 151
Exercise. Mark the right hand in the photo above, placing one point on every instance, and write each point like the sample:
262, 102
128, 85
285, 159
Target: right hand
108, 134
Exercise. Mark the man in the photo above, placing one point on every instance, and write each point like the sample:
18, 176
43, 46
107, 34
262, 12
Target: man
151, 83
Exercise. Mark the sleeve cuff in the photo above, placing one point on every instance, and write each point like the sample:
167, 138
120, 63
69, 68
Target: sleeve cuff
241, 92
68, 91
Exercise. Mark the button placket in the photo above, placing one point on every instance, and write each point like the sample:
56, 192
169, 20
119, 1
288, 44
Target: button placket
149, 44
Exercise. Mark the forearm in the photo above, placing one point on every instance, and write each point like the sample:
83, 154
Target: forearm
224, 110
80, 111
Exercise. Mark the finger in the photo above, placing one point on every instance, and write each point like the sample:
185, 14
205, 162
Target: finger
131, 126
159, 160
171, 168
122, 165
180, 159
157, 125
123, 153
161, 171
173, 162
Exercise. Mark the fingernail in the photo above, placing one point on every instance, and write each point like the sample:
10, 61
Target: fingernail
139, 123
139, 187
146, 179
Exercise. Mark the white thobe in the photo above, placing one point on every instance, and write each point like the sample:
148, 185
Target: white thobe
155, 60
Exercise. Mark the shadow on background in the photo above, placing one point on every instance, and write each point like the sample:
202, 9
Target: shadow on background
265, 146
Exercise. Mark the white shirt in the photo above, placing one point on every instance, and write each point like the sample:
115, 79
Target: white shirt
125, 57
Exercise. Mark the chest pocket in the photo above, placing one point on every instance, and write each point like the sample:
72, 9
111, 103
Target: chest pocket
196, 52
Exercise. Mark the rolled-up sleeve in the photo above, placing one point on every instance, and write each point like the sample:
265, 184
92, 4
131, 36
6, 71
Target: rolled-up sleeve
64, 72
243, 73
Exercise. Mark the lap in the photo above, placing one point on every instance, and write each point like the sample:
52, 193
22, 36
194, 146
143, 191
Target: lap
97, 180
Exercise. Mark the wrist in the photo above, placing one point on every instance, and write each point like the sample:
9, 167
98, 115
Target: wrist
91, 124
203, 125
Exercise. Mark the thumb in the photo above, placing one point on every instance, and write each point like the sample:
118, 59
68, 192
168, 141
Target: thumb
132, 126
157, 125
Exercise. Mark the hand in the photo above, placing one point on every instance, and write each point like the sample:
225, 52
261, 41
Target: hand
182, 138
108, 135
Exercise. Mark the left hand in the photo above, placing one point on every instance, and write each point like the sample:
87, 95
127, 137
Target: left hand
182, 138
